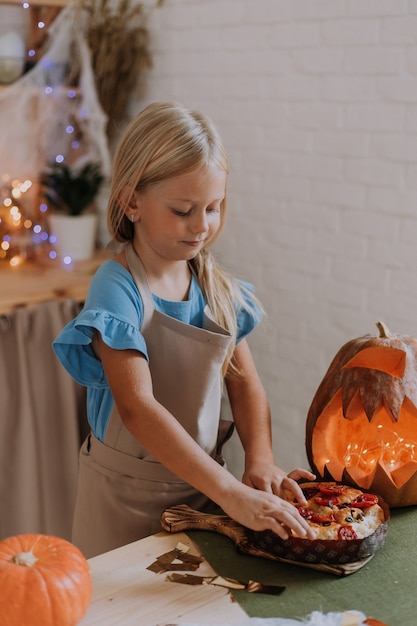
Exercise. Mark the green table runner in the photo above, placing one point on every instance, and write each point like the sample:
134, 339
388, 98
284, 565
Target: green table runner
385, 588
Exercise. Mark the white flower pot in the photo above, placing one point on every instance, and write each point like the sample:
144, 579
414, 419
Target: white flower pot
12, 57
75, 235
13, 29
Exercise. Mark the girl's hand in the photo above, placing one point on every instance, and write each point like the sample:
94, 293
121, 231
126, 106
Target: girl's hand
260, 510
270, 478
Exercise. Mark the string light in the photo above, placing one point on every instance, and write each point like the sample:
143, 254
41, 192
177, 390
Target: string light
18, 231
16, 260
21, 229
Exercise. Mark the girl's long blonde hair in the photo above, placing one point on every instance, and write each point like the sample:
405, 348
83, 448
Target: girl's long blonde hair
163, 141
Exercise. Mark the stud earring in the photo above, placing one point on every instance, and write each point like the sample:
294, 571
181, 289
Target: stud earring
132, 218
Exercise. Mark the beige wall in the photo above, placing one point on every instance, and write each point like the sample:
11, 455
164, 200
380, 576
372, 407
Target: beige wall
317, 103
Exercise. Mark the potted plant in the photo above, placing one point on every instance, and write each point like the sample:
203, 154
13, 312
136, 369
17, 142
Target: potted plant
70, 193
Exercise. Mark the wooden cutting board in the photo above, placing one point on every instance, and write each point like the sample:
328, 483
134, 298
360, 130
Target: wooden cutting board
182, 518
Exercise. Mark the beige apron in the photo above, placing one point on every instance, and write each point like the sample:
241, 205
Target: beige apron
122, 488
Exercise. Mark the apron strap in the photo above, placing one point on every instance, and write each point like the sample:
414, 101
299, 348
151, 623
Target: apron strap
137, 270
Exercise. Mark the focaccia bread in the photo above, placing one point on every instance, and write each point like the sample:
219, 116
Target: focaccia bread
337, 511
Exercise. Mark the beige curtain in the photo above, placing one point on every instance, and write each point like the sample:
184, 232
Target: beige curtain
42, 423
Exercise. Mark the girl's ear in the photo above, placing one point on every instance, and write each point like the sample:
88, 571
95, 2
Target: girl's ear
130, 202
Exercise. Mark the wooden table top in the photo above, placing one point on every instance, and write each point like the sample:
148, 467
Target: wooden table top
32, 283
126, 593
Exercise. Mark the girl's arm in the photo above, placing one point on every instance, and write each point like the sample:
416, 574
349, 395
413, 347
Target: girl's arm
251, 414
161, 434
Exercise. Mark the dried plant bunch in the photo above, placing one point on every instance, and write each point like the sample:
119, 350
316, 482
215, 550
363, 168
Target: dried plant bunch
118, 38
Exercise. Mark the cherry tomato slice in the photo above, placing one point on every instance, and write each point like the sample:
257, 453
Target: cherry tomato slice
331, 490
346, 533
315, 517
304, 512
364, 500
330, 501
322, 519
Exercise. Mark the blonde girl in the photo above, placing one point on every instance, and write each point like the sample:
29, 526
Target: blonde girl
163, 330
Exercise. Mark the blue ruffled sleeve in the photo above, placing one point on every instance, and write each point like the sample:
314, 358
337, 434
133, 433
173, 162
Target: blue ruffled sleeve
113, 308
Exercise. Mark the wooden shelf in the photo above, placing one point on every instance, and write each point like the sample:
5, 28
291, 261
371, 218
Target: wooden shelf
33, 283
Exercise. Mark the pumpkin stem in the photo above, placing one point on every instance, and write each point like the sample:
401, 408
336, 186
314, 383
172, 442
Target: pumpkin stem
384, 332
24, 558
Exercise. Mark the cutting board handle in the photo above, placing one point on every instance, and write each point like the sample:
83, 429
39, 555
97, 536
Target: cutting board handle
182, 517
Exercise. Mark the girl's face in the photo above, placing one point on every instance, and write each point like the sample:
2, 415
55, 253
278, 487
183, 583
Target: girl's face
181, 215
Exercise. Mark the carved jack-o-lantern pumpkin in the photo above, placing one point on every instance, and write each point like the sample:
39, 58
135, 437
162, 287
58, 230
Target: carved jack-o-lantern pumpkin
362, 423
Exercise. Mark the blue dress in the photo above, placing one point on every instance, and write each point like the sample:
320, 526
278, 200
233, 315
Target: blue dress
114, 308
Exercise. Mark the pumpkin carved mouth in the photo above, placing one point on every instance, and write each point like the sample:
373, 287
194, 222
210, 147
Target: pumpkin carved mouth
362, 424
361, 447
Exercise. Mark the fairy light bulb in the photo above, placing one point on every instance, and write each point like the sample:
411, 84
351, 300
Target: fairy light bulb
384, 446
16, 261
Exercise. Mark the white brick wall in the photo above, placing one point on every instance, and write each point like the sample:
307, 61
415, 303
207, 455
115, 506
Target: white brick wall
317, 103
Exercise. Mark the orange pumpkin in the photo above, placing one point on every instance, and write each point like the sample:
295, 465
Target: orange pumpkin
362, 423
44, 581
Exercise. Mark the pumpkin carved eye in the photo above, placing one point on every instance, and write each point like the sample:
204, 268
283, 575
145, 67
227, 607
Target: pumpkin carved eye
362, 423
384, 359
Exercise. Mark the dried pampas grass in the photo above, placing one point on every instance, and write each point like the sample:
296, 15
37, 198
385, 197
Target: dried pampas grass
118, 38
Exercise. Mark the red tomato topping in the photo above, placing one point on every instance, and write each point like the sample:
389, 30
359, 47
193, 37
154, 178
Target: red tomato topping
330, 501
321, 519
304, 512
331, 490
364, 500
315, 517
347, 533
